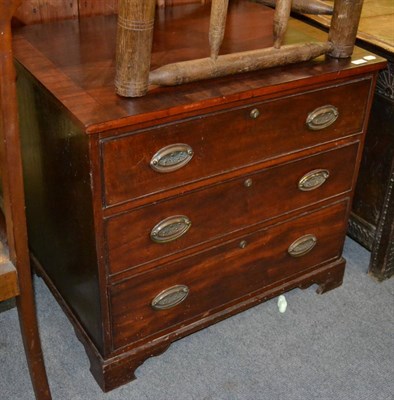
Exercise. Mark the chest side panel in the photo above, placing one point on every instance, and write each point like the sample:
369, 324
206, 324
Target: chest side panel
59, 202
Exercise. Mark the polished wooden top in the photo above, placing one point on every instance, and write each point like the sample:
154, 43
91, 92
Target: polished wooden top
75, 61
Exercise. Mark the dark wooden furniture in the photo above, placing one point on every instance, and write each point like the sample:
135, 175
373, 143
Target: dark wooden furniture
154, 217
372, 217
15, 272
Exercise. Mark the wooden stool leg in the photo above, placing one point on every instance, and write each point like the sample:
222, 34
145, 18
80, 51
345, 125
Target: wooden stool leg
281, 20
217, 26
134, 46
344, 27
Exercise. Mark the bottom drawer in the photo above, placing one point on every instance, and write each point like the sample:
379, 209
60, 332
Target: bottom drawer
174, 293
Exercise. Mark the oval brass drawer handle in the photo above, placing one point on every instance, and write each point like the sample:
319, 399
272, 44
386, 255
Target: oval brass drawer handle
322, 117
170, 297
313, 180
171, 158
170, 229
302, 245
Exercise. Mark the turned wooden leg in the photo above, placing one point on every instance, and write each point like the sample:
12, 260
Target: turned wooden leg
344, 26
281, 20
217, 26
134, 46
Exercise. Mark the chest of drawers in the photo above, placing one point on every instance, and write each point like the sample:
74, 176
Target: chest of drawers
155, 217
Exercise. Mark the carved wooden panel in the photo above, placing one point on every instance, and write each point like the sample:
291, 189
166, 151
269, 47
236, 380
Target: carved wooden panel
36, 11
372, 219
175, 2
382, 257
97, 7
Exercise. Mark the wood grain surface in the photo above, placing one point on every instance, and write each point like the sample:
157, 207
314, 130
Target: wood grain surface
39, 11
217, 26
376, 23
134, 46
13, 204
281, 20
235, 63
85, 86
344, 27
242, 271
9, 287
229, 207
304, 6
244, 200
130, 155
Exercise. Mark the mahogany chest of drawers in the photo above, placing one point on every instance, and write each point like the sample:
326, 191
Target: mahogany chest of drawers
152, 218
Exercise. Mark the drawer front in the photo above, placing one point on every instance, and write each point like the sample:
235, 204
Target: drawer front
175, 293
173, 225
172, 155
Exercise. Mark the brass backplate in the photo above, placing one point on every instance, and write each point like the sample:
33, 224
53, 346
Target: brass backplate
313, 180
170, 229
170, 297
171, 158
302, 245
322, 117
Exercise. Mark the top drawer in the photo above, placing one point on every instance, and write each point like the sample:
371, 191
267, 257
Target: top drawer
146, 161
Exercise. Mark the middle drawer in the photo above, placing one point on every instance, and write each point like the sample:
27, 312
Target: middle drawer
172, 226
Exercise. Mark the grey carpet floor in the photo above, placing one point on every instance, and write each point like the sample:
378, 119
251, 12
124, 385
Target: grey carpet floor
337, 346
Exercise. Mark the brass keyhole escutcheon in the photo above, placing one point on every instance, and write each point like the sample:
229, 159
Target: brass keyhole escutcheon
255, 113
248, 183
243, 244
